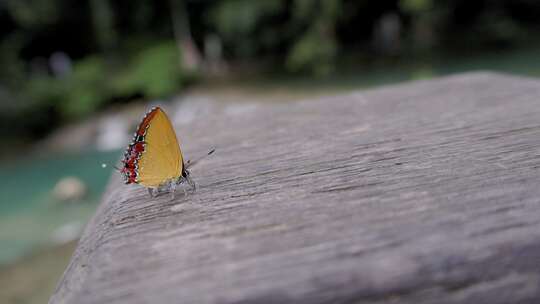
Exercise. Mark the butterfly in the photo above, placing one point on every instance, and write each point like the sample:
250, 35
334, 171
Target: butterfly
154, 159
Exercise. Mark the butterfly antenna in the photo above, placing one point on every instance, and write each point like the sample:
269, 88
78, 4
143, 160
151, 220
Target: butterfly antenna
190, 163
104, 165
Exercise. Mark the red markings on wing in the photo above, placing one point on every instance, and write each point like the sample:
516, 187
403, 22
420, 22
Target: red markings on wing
136, 148
141, 130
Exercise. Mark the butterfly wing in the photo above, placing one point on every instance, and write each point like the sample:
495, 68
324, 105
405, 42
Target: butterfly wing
161, 159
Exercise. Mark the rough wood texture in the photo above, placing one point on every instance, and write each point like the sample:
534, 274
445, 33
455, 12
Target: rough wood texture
427, 192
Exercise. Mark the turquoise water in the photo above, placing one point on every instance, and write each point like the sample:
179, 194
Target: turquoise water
30, 216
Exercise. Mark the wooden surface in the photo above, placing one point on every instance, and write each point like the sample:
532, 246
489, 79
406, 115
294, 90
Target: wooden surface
426, 192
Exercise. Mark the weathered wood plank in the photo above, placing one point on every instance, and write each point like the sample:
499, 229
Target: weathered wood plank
427, 192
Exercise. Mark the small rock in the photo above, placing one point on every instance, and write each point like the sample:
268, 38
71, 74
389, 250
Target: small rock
111, 133
69, 189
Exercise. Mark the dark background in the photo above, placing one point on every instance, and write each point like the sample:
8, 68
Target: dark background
63, 60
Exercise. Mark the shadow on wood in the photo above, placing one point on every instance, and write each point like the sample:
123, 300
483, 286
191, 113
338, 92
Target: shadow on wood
426, 192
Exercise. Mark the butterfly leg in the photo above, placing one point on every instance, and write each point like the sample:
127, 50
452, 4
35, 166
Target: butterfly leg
151, 192
191, 183
172, 189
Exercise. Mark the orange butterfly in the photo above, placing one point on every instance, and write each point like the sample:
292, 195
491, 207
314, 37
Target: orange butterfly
153, 159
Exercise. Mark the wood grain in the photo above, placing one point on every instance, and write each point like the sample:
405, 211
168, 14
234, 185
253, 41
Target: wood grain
426, 192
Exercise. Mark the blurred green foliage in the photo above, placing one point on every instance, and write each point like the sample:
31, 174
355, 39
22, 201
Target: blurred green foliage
316, 48
415, 6
113, 51
155, 71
